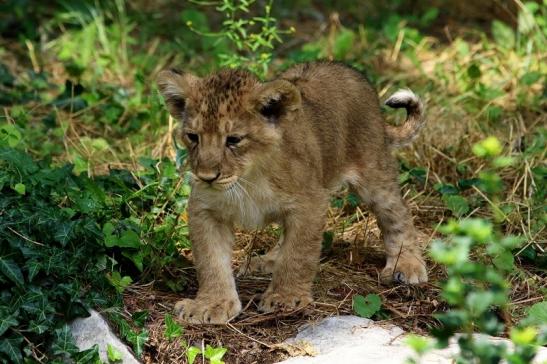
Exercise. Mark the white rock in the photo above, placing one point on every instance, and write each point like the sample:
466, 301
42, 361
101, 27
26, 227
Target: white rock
95, 330
355, 340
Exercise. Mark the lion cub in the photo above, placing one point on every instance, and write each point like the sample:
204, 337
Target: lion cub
274, 152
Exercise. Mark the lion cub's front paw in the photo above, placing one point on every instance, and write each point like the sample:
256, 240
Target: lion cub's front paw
208, 311
408, 268
286, 300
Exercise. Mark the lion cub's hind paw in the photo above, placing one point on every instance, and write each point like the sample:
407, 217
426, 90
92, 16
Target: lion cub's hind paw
200, 311
408, 269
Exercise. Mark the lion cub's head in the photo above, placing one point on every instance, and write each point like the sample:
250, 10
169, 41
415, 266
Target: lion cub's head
229, 120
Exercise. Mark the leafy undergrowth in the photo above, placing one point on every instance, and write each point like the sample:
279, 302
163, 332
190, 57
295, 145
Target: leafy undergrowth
65, 239
92, 210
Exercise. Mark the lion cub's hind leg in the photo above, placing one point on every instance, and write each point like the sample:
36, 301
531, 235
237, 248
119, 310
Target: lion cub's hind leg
261, 264
404, 263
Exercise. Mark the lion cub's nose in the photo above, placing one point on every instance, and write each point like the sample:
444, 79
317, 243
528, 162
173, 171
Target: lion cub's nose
208, 177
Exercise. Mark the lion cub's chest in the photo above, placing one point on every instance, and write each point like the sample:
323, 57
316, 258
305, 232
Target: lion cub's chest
248, 204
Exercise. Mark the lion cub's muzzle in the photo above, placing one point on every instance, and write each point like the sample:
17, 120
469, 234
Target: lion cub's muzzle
217, 182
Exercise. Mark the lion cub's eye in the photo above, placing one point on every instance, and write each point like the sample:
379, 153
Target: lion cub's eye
233, 140
192, 137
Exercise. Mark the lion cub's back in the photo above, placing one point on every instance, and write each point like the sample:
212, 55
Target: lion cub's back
343, 110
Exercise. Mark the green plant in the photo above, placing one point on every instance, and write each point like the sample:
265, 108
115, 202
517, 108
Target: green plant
172, 328
52, 259
367, 306
113, 354
213, 354
62, 234
252, 37
476, 288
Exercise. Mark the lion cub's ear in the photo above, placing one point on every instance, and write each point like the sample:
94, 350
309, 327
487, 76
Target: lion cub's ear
276, 99
175, 86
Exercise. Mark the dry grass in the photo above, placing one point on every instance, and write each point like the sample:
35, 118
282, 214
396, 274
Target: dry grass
353, 265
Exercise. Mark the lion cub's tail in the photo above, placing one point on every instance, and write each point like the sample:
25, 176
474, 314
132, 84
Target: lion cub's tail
399, 136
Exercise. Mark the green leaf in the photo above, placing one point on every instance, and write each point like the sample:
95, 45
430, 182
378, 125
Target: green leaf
64, 342
20, 188
11, 347
7, 321
12, 271
129, 239
33, 267
537, 314
172, 328
420, 344
191, 353
9, 135
113, 354
367, 306
343, 43
505, 261
38, 327
478, 302
140, 317
214, 354
446, 189
473, 71
530, 78
524, 336
138, 341
119, 282
63, 234
503, 161
451, 255
503, 34
489, 147
457, 204
88, 356
479, 229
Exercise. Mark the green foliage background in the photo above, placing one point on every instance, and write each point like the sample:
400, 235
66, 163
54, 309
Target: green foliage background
91, 200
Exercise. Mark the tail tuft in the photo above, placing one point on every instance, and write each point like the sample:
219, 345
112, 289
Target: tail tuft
399, 136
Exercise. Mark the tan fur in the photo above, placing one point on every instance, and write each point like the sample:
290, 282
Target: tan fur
316, 127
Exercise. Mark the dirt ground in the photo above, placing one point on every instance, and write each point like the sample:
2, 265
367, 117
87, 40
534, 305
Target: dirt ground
350, 267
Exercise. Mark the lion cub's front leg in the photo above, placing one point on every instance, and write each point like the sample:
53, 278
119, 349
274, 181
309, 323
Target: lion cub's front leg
217, 301
296, 262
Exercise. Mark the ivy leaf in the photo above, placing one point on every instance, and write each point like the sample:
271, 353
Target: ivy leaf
20, 188
191, 353
38, 327
138, 341
537, 314
457, 204
88, 356
366, 306
64, 232
64, 342
7, 321
113, 354
172, 328
214, 354
505, 261
33, 268
12, 271
119, 282
11, 347
140, 317
129, 239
